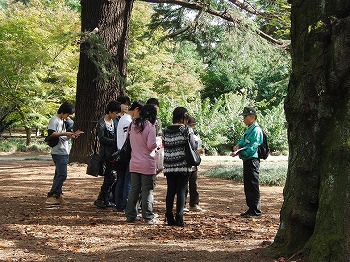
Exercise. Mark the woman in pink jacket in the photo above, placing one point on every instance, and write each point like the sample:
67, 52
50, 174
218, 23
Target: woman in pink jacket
142, 165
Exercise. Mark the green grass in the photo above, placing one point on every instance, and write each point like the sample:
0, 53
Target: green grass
271, 173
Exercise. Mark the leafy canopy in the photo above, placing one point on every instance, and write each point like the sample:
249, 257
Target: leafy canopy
39, 58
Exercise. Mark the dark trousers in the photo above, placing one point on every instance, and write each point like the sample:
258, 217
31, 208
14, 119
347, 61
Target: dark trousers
192, 189
251, 184
176, 185
122, 188
108, 181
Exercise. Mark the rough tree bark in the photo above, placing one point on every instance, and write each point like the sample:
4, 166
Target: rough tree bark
96, 87
316, 210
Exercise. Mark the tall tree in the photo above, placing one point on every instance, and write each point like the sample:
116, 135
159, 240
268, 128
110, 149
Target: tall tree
316, 210
103, 56
102, 67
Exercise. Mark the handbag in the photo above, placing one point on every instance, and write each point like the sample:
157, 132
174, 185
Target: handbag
122, 156
51, 141
192, 156
96, 166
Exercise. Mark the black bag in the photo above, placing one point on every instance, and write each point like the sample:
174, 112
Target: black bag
123, 155
192, 156
121, 158
51, 141
264, 149
95, 166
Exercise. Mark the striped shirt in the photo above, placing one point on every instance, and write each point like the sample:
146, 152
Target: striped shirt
174, 139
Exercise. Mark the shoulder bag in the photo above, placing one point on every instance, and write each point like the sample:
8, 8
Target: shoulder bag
192, 156
96, 166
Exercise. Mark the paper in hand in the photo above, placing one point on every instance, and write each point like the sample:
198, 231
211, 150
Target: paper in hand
239, 150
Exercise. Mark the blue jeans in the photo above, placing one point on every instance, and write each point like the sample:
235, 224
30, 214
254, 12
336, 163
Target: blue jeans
176, 185
61, 162
122, 188
144, 185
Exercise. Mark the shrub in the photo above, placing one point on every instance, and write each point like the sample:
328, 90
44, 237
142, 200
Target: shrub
271, 173
10, 145
219, 124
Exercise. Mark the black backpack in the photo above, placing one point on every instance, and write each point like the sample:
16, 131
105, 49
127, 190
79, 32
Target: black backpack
264, 149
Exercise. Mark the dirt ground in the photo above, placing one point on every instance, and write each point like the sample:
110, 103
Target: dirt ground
77, 231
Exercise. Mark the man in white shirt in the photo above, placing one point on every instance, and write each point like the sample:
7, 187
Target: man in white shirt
123, 181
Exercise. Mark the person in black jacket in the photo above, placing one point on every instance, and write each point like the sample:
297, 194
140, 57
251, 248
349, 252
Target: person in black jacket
107, 136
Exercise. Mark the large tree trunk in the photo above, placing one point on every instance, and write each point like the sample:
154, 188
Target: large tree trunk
101, 75
316, 209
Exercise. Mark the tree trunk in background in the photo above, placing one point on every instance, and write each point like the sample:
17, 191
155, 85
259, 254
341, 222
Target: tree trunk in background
93, 93
316, 209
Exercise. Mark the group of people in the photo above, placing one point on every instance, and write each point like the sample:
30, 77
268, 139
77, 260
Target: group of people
128, 187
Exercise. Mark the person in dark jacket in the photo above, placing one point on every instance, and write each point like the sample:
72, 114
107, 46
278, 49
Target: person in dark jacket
107, 136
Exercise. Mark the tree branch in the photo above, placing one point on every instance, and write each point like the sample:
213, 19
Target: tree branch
224, 15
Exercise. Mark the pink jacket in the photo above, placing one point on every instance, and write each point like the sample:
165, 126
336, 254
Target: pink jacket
142, 144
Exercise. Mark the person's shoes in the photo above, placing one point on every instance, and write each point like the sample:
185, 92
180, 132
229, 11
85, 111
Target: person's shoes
100, 203
118, 210
250, 213
60, 198
103, 204
130, 220
133, 219
197, 208
153, 221
53, 200
109, 204
186, 209
179, 220
169, 219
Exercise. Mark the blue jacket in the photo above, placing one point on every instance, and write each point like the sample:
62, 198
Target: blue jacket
252, 138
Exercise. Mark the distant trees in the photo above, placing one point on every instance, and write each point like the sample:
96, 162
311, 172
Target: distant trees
38, 56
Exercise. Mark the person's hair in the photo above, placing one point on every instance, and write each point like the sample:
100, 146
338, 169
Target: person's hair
66, 108
135, 104
124, 100
148, 112
191, 120
153, 101
113, 106
180, 115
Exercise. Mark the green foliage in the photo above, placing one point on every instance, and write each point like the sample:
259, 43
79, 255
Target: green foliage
100, 56
235, 58
39, 59
273, 122
11, 145
74, 5
242, 63
277, 23
219, 124
271, 173
154, 68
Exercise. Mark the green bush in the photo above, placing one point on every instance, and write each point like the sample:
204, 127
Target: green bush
271, 173
219, 124
10, 145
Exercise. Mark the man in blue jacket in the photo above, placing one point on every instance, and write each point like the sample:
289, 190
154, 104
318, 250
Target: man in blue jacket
247, 149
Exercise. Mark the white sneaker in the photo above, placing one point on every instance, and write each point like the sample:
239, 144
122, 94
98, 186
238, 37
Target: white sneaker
186, 209
153, 221
197, 208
